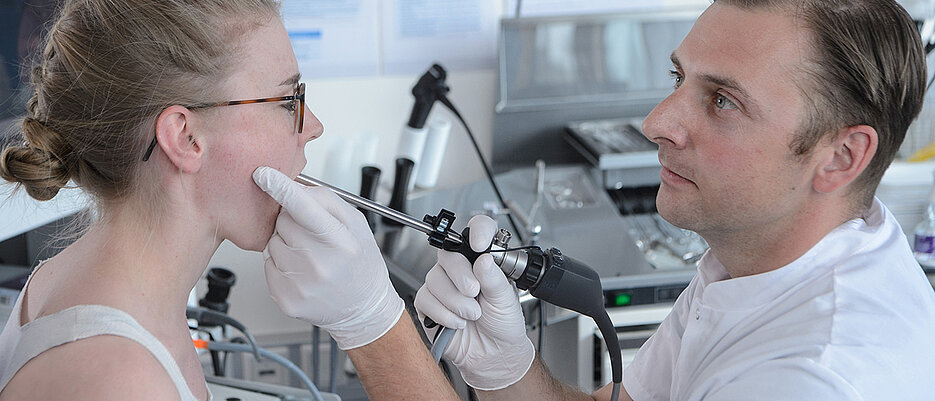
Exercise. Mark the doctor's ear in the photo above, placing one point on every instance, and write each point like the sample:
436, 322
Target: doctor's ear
177, 140
846, 156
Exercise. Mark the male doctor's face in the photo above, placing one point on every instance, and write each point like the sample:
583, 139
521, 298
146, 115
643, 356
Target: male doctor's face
725, 130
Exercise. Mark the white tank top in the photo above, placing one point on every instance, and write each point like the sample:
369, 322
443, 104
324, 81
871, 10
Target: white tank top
19, 344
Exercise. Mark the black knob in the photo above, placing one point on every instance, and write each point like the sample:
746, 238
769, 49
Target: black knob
535, 261
400, 187
220, 281
369, 178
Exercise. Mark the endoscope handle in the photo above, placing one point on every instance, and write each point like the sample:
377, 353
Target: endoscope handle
464, 248
570, 284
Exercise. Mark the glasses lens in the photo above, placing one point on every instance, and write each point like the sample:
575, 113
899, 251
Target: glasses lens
300, 113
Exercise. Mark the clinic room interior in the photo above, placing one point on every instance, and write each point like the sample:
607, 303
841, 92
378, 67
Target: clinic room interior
616, 160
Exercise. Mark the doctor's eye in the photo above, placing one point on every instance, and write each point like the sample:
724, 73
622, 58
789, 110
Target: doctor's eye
723, 103
677, 78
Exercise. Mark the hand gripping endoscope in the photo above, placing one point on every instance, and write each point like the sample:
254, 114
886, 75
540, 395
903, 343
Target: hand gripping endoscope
547, 274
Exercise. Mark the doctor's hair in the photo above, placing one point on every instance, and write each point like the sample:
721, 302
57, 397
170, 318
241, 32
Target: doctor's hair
866, 67
107, 69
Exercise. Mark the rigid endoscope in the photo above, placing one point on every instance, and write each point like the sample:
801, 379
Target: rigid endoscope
547, 274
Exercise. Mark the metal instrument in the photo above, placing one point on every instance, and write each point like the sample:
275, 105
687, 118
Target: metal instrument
547, 274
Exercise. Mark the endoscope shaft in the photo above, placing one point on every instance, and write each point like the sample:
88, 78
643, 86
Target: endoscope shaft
376, 207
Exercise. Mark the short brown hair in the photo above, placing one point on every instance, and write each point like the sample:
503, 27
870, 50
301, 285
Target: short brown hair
867, 68
108, 68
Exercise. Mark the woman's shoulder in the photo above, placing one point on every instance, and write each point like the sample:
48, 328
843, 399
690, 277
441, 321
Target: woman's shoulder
97, 368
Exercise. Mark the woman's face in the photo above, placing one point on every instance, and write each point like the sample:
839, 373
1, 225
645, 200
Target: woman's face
244, 137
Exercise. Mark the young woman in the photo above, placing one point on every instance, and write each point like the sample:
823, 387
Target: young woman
134, 103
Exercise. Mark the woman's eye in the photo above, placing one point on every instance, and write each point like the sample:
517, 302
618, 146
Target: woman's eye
723, 103
676, 77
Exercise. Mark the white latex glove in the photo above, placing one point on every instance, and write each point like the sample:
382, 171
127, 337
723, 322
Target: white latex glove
491, 348
323, 265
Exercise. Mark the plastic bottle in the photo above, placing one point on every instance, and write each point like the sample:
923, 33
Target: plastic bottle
434, 152
411, 144
924, 242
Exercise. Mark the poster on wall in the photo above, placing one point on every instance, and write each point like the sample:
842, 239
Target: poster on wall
459, 34
540, 8
334, 38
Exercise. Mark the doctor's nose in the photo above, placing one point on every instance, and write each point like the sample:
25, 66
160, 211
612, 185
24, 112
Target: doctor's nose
665, 123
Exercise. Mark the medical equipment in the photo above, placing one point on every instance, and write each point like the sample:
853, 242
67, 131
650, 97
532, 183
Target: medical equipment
618, 149
231, 347
924, 236
546, 274
401, 181
431, 87
220, 281
213, 318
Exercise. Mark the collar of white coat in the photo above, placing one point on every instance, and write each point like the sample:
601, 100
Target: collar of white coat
854, 237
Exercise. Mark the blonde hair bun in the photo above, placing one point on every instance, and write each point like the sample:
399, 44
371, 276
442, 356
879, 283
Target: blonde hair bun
38, 165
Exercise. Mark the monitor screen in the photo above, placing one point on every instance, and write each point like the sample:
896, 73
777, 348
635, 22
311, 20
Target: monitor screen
591, 58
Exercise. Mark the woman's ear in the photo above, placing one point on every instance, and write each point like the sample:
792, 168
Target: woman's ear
849, 153
177, 140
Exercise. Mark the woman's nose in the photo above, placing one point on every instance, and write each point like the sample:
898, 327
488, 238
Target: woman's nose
312, 128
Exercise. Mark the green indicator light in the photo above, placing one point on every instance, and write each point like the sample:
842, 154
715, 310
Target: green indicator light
622, 299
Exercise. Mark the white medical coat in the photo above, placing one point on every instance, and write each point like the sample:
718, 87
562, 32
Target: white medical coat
851, 319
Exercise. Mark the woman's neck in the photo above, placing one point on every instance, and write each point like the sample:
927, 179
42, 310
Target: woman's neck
146, 268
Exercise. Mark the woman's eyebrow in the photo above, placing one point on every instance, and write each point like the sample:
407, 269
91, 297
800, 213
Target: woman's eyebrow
293, 80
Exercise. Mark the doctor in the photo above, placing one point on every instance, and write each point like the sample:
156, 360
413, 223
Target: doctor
783, 118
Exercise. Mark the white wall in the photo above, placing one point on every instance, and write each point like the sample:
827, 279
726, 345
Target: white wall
381, 105
348, 107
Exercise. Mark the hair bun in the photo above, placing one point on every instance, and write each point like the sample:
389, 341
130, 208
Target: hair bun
38, 167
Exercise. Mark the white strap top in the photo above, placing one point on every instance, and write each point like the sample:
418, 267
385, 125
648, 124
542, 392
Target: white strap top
19, 344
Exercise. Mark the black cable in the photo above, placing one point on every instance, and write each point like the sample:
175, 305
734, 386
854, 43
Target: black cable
483, 162
929, 85
472, 395
541, 327
316, 354
216, 364
519, 248
210, 317
606, 326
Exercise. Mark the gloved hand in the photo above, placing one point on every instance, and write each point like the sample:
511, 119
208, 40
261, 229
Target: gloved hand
323, 265
491, 348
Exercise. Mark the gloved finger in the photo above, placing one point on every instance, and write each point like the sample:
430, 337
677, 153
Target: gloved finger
338, 207
278, 185
483, 229
493, 283
295, 262
283, 287
459, 271
303, 203
294, 234
438, 283
428, 305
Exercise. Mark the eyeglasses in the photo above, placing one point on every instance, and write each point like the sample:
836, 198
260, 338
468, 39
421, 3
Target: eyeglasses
298, 108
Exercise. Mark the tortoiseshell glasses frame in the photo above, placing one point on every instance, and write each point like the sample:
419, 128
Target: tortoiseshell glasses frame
298, 96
